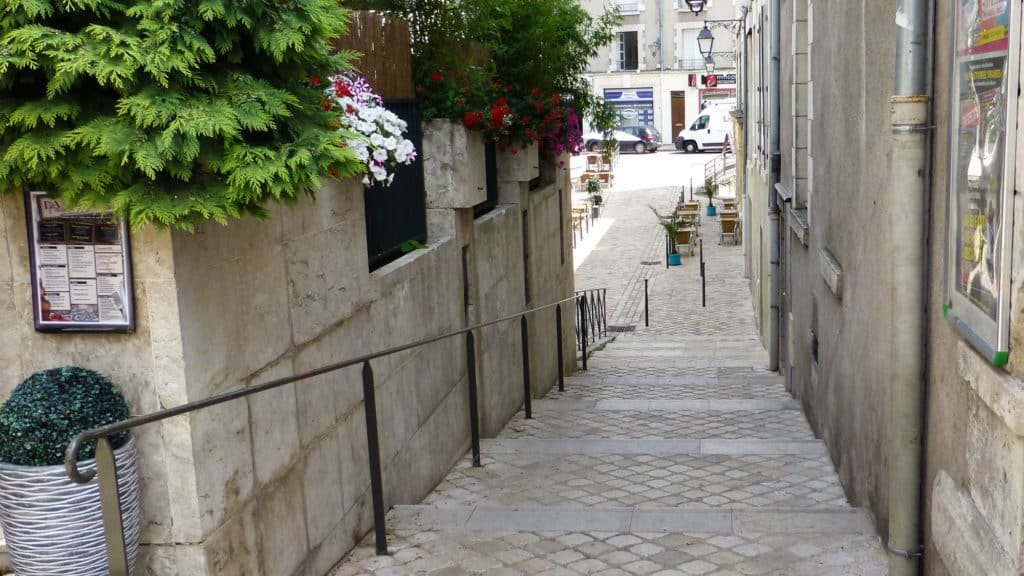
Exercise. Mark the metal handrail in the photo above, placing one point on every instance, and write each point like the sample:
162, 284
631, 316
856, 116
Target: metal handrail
110, 500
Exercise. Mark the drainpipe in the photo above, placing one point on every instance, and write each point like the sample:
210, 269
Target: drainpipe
774, 177
746, 142
908, 205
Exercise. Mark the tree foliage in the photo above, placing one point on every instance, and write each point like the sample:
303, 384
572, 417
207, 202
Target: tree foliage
521, 44
169, 111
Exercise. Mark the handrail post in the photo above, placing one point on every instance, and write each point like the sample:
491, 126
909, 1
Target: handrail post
583, 341
474, 412
647, 313
604, 310
527, 392
373, 448
110, 505
558, 346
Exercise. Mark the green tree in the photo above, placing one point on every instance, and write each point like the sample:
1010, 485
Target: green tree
169, 111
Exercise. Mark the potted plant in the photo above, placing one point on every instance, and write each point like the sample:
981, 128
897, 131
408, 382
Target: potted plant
711, 189
52, 525
594, 189
672, 226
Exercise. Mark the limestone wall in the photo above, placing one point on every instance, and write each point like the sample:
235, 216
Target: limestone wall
277, 484
974, 482
146, 364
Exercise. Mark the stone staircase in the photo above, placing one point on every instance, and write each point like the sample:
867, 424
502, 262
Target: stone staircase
670, 456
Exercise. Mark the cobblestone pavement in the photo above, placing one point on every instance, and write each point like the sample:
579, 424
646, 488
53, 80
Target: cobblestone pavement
676, 453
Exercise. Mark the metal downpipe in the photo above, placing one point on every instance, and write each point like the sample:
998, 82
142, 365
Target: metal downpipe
774, 177
911, 116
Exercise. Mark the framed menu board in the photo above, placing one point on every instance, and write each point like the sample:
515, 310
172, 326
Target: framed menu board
983, 136
81, 268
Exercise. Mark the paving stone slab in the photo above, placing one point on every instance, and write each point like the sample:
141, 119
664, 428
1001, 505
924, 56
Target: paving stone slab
578, 553
644, 481
660, 424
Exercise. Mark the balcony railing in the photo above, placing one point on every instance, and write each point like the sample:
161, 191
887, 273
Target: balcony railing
628, 7
691, 64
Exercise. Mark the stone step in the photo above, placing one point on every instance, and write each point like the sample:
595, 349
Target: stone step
659, 388
607, 474
626, 520
767, 543
656, 421
640, 364
709, 405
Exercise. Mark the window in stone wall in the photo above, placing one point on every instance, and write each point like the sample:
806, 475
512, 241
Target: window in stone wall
629, 57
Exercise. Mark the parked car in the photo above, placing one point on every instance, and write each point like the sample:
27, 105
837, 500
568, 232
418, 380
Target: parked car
649, 135
626, 141
712, 130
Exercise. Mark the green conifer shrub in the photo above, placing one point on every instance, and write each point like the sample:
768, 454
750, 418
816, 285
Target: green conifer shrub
48, 409
170, 111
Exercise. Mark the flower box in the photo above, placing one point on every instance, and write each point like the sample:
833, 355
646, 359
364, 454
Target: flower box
522, 166
454, 168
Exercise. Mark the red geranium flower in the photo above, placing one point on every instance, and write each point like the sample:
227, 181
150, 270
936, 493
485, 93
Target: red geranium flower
314, 80
501, 102
526, 120
435, 77
556, 99
472, 119
420, 91
497, 115
535, 91
539, 106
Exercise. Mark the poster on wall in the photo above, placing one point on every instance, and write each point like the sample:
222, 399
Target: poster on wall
81, 268
982, 143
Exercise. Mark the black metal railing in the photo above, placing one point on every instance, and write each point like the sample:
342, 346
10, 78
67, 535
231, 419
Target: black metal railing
587, 303
591, 318
396, 215
491, 178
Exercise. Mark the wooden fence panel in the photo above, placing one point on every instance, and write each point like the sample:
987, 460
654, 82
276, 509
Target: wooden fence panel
387, 57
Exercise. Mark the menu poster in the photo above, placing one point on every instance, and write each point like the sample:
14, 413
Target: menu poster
81, 268
983, 117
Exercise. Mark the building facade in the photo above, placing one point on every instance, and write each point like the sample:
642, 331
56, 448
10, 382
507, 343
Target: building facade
653, 71
883, 204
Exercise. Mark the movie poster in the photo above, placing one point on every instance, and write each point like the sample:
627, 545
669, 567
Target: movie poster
983, 130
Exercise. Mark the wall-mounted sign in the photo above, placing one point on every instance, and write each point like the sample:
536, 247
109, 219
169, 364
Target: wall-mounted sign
982, 143
81, 268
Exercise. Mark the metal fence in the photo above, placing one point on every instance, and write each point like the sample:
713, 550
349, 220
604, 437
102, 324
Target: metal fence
491, 169
397, 215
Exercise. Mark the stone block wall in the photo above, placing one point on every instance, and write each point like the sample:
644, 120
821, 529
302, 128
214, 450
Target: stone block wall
973, 487
278, 484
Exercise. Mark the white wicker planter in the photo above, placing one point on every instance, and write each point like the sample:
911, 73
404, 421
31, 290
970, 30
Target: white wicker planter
54, 526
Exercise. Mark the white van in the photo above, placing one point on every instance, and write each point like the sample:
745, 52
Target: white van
710, 131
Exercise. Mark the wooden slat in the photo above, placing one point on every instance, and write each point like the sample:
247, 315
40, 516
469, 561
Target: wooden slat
387, 58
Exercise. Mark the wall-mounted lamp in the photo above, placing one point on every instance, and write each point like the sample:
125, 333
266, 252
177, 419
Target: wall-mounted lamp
696, 6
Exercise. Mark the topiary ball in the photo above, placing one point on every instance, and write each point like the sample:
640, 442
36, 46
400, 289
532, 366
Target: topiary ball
47, 410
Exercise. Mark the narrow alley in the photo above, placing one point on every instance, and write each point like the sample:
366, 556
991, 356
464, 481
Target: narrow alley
676, 452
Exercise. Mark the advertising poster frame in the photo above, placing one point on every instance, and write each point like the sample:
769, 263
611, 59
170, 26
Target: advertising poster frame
984, 75
80, 266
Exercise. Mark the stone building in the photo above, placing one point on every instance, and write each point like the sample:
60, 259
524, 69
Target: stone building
277, 484
653, 71
885, 187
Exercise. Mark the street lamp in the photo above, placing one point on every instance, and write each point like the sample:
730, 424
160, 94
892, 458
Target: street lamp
696, 6
709, 65
705, 41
